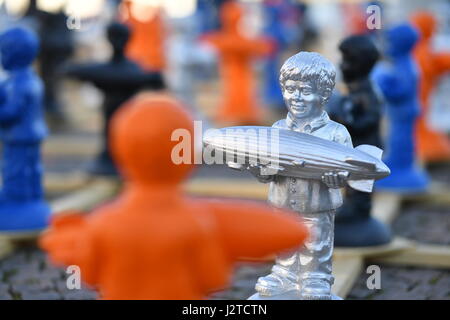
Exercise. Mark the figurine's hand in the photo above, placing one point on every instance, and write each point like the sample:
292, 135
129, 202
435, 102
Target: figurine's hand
255, 170
335, 180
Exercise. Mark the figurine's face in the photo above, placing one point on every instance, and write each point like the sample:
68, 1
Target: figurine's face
302, 99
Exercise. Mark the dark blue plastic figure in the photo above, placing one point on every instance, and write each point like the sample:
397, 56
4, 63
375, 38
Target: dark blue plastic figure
22, 128
398, 80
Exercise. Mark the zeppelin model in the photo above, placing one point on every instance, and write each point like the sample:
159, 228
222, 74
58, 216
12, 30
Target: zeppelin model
295, 154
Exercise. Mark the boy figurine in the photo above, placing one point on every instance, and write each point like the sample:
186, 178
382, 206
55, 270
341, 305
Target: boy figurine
307, 80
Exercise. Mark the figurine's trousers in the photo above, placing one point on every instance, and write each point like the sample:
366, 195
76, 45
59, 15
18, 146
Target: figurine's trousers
22, 171
313, 260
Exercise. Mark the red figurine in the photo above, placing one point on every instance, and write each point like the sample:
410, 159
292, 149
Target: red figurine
237, 51
154, 242
432, 146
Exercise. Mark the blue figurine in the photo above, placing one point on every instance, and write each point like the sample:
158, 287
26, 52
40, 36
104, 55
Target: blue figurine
398, 80
22, 204
274, 29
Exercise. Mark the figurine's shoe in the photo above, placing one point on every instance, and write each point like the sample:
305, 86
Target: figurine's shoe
23, 217
274, 284
362, 232
405, 181
315, 289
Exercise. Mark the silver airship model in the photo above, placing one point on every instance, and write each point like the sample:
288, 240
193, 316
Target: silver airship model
294, 154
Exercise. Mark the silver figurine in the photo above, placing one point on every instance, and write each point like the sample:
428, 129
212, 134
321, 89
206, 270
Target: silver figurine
313, 188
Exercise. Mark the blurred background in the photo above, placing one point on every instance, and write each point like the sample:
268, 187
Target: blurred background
181, 40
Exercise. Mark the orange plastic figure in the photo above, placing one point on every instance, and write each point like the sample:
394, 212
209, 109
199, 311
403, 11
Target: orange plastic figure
154, 242
146, 44
236, 51
432, 146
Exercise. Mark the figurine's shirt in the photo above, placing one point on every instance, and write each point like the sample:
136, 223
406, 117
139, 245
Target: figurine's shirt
302, 195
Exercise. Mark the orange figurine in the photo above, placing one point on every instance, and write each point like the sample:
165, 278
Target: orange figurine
432, 146
146, 44
236, 51
154, 242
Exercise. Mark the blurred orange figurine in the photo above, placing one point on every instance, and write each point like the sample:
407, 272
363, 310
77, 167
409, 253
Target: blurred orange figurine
236, 51
154, 242
432, 146
146, 44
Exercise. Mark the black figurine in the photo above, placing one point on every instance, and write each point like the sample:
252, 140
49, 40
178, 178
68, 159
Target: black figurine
360, 111
119, 79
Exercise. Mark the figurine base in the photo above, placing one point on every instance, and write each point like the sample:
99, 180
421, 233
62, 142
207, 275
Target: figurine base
361, 233
24, 217
404, 182
289, 295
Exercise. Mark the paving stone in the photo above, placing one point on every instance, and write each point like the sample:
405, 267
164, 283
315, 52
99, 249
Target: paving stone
33, 286
79, 295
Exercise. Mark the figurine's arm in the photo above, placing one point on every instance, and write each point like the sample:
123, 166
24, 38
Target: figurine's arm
103, 76
256, 172
78, 71
392, 87
255, 230
256, 47
262, 47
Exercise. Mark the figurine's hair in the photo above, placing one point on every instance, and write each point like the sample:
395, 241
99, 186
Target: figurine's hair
310, 66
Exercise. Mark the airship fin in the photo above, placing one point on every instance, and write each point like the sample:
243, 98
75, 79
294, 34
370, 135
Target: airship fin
361, 185
365, 164
372, 150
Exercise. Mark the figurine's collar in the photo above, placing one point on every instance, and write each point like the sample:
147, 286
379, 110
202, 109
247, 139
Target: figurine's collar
307, 126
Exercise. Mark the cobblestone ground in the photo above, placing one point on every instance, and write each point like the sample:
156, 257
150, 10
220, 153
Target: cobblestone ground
26, 274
